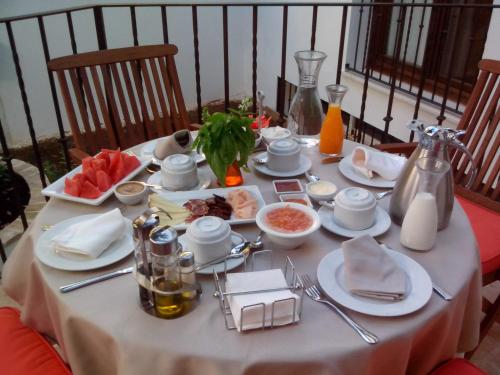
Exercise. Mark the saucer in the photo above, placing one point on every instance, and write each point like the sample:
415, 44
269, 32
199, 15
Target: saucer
204, 180
304, 165
381, 225
236, 239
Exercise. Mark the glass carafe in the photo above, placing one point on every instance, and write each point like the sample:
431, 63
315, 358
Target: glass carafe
305, 114
331, 138
420, 224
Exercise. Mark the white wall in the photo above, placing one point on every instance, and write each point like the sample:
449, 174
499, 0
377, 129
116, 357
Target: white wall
179, 20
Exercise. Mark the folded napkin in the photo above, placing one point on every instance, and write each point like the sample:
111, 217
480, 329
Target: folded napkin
366, 161
91, 237
370, 272
178, 143
252, 316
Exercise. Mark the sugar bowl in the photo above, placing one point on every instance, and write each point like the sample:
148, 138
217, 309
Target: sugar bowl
355, 208
179, 172
283, 155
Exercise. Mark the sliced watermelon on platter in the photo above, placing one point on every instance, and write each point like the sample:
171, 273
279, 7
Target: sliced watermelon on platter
131, 162
89, 191
72, 187
116, 168
104, 181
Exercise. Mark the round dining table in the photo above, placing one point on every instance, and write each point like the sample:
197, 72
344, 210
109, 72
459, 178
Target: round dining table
101, 329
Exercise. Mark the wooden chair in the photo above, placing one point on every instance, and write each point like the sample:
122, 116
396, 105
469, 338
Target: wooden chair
120, 97
482, 201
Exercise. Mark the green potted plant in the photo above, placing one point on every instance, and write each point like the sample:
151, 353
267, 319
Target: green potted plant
227, 141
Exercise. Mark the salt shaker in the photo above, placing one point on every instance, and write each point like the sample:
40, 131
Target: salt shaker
188, 275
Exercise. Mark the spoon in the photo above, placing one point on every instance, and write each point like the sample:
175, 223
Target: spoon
311, 177
262, 160
153, 168
237, 250
257, 243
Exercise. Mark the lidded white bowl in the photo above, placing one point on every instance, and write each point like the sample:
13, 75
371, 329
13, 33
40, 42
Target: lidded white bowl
355, 208
179, 172
208, 237
283, 155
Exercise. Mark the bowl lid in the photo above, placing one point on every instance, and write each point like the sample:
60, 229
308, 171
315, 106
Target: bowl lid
355, 197
284, 147
208, 229
178, 163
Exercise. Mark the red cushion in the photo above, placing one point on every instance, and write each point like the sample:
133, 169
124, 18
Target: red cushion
486, 224
24, 350
458, 366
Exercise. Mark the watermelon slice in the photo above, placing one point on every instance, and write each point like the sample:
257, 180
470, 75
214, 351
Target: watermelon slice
89, 191
80, 177
87, 164
131, 162
99, 165
104, 156
72, 187
116, 167
104, 182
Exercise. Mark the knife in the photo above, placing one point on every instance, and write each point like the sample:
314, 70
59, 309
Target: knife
95, 279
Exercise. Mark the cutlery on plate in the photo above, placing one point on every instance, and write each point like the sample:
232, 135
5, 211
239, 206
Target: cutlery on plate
95, 280
382, 194
236, 251
435, 288
316, 295
262, 160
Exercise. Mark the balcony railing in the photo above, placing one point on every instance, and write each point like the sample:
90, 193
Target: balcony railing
355, 51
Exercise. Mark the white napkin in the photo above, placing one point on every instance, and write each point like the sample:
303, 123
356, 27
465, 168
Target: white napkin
252, 316
370, 272
91, 237
170, 145
366, 161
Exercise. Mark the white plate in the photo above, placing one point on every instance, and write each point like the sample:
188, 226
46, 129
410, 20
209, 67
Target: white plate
331, 279
56, 189
381, 225
346, 168
148, 149
181, 197
304, 165
236, 239
74, 262
204, 180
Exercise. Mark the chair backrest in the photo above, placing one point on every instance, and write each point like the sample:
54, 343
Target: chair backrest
482, 137
134, 92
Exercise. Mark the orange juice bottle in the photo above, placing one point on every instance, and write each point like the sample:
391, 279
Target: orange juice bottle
331, 137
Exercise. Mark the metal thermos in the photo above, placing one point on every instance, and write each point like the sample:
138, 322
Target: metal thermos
433, 142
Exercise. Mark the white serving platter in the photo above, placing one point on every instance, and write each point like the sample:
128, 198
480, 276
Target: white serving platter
181, 197
56, 189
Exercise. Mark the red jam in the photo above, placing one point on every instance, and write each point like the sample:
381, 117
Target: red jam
287, 186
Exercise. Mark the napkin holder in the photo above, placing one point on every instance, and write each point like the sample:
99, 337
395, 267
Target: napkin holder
294, 284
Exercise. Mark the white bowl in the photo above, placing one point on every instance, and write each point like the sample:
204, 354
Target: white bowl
270, 135
179, 172
208, 237
355, 208
283, 155
320, 196
287, 240
130, 199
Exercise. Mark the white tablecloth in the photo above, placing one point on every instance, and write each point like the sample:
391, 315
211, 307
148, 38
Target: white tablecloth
102, 330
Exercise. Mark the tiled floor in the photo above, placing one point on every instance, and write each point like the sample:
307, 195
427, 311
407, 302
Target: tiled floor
487, 357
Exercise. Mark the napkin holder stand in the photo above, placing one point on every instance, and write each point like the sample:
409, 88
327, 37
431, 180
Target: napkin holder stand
294, 284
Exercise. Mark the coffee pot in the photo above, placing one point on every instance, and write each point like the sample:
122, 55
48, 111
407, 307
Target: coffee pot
434, 141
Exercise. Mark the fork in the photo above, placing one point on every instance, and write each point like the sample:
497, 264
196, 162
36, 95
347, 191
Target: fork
314, 293
382, 194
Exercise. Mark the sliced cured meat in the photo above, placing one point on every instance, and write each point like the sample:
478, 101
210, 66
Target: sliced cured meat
89, 191
243, 203
200, 209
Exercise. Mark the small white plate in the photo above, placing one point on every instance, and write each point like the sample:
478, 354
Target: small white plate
74, 262
148, 149
204, 180
236, 239
304, 165
346, 168
56, 189
331, 279
381, 225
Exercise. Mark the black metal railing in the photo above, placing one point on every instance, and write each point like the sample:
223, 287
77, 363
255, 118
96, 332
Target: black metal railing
362, 57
